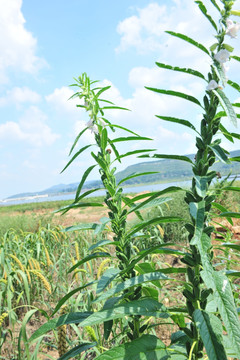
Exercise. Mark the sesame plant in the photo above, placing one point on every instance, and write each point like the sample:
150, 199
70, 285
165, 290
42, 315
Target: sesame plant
124, 298
120, 286
204, 328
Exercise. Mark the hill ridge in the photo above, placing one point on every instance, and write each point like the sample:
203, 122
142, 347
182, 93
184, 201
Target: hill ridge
168, 170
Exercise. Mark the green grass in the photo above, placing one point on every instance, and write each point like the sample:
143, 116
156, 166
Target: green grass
43, 205
26, 217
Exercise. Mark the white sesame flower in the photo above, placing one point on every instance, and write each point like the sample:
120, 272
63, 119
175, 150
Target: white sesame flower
232, 28
225, 68
212, 85
94, 129
222, 56
89, 123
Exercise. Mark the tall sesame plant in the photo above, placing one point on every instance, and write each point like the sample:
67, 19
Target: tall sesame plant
204, 330
126, 292
208, 325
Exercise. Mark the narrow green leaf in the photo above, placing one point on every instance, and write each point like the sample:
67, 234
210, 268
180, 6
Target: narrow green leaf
107, 325
86, 226
234, 135
102, 243
76, 140
115, 107
228, 47
234, 85
77, 350
151, 202
220, 154
108, 276
210, 329
235, 57
235, 12
74, 205
136, 152
99, 161
115, 150
141, 255
71, 318
230, 214
134, 281
22, 337
204, 11
102, 90
174, 270
129, 138
227, 309
235, 158
178, 121
174, 157
184, 70
232, 188
86, 193
222, 209
216, 5
84, 177
69, 295
226, 133
213, 47
176, 93
77, 205
168, 190
89, 257
144, 307
189, 40
226, 105
74, 157
136, 175
104, 138
231, 246
120, 127
236, 104
101, 227
147, 347
157, 220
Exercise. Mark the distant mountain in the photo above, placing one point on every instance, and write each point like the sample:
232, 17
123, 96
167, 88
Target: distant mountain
168, 170
58, 189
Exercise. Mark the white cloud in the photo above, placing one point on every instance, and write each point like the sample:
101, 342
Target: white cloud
59, 99
17, 45
172, 140
19, 95
140, 31
146, 31
31, 129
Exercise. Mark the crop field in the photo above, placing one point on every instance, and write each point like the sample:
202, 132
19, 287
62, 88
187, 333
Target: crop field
36, 255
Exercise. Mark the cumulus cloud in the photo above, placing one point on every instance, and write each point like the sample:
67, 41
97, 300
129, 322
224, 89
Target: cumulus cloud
59, 100
19, 95
31, 129
145, 31
139, 32
18, 46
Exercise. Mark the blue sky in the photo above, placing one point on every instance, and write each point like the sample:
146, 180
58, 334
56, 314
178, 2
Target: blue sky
47, 43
